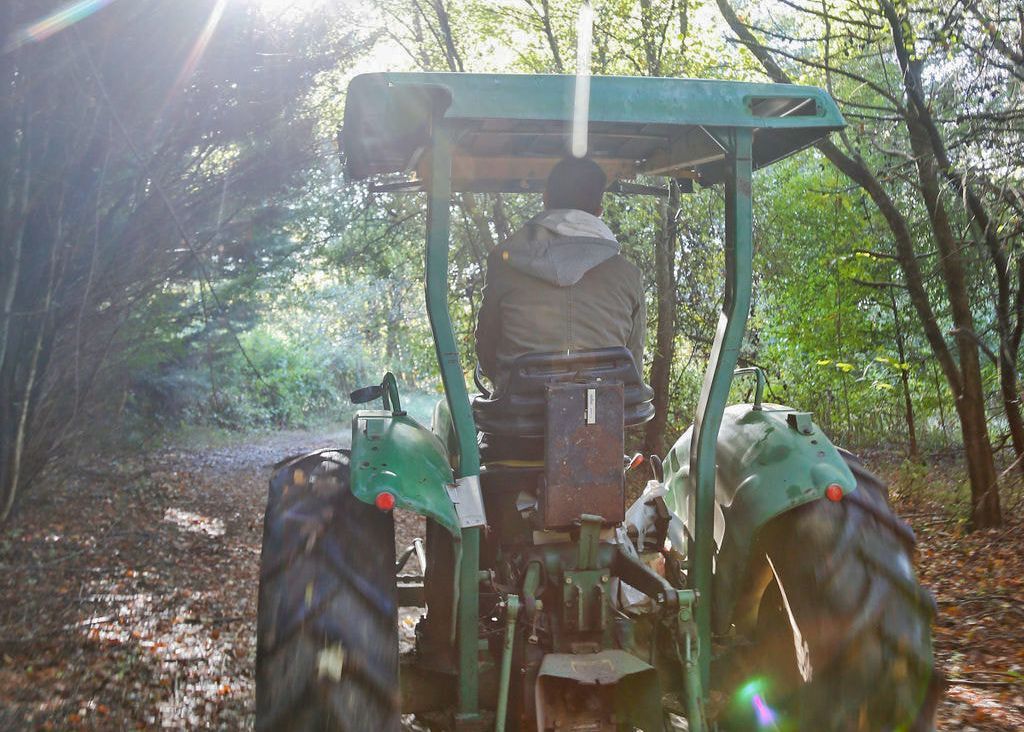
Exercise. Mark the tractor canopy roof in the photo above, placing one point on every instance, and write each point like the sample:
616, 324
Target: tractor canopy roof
508, 130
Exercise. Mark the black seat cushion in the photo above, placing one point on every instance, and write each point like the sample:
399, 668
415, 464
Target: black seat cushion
520, 410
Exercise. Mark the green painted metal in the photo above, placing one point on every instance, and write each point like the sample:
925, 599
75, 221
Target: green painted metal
723, 131
623, 99
586, 605
759, 385
441, 425
562, 557
438, 215
590, 538
718, 378
691, 641
387, 114
467, 632
770, 461
531, 582
586, 599
452, 375
394, 453
511, 613
633, 683
390, 387
604, 668
531, 586
580, 574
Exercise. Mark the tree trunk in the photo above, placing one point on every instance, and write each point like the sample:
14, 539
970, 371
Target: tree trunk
30, 386
664, 345
920, 117
549, 34
985, 509
451, 53
901, 352
1011, 402
970, 401
908, 413
964, 379
942, 406
484, 241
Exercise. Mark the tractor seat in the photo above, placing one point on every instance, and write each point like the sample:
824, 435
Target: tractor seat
521, 409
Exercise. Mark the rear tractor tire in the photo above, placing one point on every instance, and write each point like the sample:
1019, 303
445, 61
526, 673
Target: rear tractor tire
845, 645
327, 637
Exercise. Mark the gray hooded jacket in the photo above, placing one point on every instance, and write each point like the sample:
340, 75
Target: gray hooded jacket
558, 284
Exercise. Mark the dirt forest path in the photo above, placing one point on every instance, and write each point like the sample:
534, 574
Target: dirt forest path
128, 596
129, 591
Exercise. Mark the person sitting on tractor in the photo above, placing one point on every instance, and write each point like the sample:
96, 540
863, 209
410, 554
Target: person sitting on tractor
559, 283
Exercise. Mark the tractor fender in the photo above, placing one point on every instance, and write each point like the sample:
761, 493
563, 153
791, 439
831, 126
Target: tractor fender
769, 461
443, 427
393, 453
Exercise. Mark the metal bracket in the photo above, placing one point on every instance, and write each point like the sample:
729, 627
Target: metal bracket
801, 422
469, 501
590, 537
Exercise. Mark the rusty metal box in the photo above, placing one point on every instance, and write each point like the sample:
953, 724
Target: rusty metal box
583, 444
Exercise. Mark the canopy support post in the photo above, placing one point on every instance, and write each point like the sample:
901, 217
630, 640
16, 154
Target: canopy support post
718, 377
467, 617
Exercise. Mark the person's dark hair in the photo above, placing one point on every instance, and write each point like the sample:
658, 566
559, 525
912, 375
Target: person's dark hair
576, 183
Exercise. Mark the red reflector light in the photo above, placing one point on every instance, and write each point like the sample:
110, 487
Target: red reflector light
834, 492
384, 501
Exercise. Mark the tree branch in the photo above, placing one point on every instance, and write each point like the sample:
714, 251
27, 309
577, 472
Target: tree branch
989, 353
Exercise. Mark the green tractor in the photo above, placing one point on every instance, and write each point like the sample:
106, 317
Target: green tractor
761, 582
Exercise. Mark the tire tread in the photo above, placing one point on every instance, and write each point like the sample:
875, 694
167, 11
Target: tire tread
326, 586
847, 570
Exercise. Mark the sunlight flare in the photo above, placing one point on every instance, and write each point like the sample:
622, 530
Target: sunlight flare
752, 696
765, 714
199, 47
55, 22
581, 101
287, 10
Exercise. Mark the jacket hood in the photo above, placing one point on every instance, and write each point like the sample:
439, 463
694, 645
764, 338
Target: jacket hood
560, 246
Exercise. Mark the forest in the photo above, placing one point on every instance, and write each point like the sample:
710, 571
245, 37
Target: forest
190, 289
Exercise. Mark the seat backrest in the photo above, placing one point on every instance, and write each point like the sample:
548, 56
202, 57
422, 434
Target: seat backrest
520, 409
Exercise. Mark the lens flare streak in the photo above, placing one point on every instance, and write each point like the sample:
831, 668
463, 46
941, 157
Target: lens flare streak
581, 100
199, 48
765, 715
55, 22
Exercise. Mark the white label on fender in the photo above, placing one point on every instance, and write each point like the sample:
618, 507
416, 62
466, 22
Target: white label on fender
591, 406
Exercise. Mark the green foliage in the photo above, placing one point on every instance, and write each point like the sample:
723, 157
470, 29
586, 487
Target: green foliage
302, 287
911, 480
348, 280
294, 383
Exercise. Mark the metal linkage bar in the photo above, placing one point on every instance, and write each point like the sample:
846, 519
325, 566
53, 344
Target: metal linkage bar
511, 613
688, 640
718, 378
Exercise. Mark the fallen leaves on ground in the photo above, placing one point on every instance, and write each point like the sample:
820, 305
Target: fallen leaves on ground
977, 579
128, 595
128, 592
